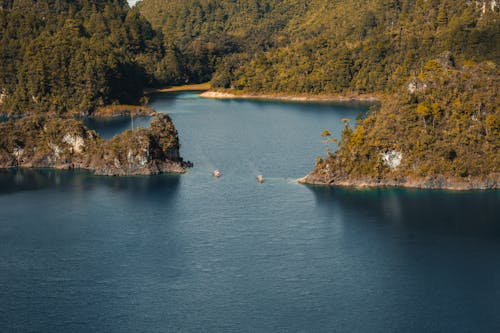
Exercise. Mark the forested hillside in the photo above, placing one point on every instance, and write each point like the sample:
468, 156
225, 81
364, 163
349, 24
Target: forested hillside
319, 46
199, 35
445, 126
59, 56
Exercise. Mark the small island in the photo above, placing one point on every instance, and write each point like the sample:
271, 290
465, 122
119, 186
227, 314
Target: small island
42, 142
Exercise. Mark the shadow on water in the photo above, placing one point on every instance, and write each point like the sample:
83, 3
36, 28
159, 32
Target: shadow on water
18, 180
465, 214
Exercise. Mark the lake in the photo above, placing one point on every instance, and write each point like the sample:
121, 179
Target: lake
189, 253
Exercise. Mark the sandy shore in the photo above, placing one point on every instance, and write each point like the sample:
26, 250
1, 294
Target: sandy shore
188, 87
293, 98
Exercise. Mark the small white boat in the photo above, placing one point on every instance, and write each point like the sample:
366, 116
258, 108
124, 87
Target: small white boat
260, 178
217, 173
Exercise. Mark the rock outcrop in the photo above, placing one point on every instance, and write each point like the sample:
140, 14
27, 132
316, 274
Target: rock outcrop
39, 142
489, 182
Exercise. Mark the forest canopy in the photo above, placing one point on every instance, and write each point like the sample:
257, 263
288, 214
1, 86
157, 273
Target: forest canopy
60, 56
320, 46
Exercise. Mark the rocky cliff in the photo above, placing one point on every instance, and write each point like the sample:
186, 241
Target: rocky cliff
39, 142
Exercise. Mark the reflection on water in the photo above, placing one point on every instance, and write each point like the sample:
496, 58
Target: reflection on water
468, 214
18, 180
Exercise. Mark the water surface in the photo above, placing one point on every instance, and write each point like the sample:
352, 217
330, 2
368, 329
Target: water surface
80, 253
107, 128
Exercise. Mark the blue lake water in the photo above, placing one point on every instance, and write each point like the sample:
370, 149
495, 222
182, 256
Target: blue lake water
109, 127
80, 253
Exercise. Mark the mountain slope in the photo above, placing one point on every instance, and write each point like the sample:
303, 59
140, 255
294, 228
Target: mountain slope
322, 46
73, 56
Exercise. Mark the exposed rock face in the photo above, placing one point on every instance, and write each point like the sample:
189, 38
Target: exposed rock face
484, 5
143, 152
67, 143
76, 142
392, 159
3, 96
416, 86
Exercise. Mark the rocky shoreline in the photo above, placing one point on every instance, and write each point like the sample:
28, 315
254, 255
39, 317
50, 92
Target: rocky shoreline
438, 182
43, 142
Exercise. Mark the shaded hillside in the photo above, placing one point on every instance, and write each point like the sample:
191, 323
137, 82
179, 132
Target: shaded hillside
59, 56
199, 34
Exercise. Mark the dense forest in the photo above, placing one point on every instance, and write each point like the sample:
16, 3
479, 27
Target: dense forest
62, 56
319, 46
59, 56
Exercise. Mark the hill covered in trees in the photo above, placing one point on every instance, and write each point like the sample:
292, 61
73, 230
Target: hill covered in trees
60, 56
64, 56
320, 46
441, 131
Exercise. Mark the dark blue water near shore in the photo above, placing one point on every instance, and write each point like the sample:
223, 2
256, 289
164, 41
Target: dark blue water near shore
191, 253
109, 127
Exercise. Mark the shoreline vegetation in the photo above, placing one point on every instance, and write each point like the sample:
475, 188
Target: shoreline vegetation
108, 111
113, 111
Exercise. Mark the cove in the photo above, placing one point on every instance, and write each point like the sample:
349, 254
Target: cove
190, 253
